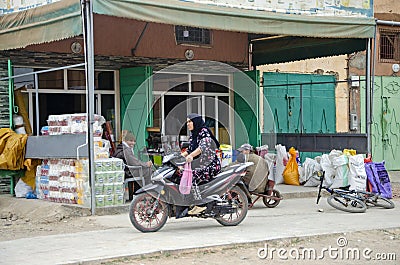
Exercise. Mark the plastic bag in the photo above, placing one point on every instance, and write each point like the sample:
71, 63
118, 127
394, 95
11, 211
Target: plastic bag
330, 171
341, 166
311, 167
357, 174
349, 152
378, 177
21, 189
281, 159
186, 181
291, 172
270, 159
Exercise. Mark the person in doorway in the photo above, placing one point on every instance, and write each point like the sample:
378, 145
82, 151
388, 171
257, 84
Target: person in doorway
257, 177
201, 153
125, 152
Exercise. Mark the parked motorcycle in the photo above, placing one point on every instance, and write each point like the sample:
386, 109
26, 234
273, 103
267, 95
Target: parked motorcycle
225, 196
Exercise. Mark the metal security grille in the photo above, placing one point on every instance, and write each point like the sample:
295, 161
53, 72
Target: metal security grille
389, 46
191, 35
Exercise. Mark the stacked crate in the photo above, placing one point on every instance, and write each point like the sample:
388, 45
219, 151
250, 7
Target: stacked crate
4, 121
4, 99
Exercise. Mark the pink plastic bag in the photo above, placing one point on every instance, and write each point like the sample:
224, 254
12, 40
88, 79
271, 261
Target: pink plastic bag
186, 181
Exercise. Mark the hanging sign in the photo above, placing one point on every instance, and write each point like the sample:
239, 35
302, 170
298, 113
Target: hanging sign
346, 8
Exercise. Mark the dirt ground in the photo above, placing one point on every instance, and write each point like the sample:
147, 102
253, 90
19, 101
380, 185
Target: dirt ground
22, 218
366, 247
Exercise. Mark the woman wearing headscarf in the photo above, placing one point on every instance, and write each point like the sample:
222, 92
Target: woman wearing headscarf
201, 153
201, 150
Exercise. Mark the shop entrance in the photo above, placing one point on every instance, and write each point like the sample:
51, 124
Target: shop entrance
213, 108
207, 96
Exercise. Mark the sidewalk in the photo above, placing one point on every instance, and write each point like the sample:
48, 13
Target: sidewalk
291, 192
291, 218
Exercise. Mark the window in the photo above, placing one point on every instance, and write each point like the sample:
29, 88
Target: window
389, 45
103, 80
64, 91
51, 80
190, 35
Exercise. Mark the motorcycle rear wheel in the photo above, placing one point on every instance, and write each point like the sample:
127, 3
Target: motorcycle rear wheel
237, 198
147, 213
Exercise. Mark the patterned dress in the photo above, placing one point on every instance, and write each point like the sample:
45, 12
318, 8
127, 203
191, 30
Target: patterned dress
207, 164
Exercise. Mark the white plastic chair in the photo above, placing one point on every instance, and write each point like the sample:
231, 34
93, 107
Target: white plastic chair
139, 179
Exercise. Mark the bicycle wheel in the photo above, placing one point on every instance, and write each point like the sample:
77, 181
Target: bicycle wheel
270, 202
347, 203
373, 199
379, 201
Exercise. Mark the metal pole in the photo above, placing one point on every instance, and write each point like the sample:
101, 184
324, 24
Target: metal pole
368, 95
373, 80
301, 108
250, 67
387, 23
89, 48
43, 71
37, 103
10, 94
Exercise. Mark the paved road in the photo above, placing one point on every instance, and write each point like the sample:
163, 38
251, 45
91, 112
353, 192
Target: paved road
292, 218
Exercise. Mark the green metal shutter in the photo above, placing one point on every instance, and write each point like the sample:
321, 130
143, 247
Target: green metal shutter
385, 129
246, 106
306, 108
136, 102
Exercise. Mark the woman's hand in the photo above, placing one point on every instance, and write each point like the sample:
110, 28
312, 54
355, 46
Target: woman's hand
149, 164
189, 158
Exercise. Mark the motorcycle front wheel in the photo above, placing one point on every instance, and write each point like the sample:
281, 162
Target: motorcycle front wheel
238, 200
147, 213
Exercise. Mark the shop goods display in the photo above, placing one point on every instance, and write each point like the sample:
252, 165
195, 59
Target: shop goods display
72, 124
109, 179
67, 181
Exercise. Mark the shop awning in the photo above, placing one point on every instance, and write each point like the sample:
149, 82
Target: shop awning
62, 20
42, 24
235, 19
290, 48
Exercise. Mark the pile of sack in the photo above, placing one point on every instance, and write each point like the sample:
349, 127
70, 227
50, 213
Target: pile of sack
342, 168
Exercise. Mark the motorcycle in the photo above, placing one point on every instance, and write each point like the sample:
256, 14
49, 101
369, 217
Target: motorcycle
225, 196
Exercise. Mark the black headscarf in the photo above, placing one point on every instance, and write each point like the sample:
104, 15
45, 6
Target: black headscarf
198, 124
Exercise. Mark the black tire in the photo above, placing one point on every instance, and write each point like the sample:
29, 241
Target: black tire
376, 200
381, 202
270, 202
147, 214
237, 198
347, 203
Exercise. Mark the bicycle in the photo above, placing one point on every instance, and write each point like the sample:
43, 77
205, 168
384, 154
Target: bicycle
341, 198
374, 199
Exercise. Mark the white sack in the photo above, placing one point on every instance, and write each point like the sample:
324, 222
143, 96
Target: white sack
330, 171
271, 159
311, 167
357, 174
281, 158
